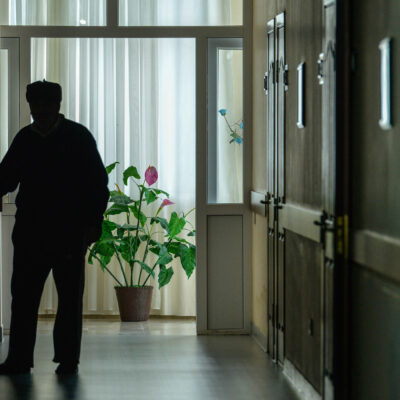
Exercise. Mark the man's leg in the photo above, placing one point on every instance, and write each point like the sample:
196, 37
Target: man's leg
27, 283
69, 276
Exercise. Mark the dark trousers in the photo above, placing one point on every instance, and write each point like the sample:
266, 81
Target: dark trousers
29, 275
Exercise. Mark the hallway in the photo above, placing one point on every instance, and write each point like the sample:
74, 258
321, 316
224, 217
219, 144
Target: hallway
158, 359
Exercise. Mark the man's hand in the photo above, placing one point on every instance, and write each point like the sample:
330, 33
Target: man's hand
93, 233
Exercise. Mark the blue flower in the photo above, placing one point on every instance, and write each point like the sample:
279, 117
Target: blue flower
222, 111
241, 125
239, 140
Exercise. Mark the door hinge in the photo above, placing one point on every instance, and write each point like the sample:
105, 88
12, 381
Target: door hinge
266, 83
286, 77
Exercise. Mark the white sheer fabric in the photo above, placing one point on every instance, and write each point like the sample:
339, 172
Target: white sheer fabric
137, 97
180, 12
57, 12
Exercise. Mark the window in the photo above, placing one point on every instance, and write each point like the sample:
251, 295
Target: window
180, 12
57, 12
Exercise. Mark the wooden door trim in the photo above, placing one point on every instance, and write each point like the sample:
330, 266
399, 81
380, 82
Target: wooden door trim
376, 252
300, 220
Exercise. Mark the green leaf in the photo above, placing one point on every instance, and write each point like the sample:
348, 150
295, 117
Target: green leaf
188, 259
106, 228
159, 191
130, 227
110, 167
176, 224
115, 193
181, 240
121, 199
162, 221
129, 172
117, 209
174, 248
192, 233
120, 232
142, 218
103, 250
164, 276
146, 268
164, 257
129, 245
155, 250
144, 238
150, 196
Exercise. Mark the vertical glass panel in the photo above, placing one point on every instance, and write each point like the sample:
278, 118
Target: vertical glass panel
9, 96
225, 121
180, 12
4, 78
57, 12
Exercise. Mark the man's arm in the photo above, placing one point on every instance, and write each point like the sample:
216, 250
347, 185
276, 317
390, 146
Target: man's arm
9, 169
98, 191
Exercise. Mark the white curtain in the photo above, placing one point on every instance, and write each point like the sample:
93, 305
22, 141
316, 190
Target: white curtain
137, 97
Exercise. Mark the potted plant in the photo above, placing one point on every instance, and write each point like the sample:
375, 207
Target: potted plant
133, 241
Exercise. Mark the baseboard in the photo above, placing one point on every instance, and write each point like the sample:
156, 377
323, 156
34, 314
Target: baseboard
305, 390
259, 337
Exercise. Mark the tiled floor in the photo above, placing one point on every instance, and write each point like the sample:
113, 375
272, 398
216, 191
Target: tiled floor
156, 360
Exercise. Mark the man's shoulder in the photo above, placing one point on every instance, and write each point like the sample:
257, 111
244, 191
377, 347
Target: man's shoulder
23, 133
77, 129
75, 126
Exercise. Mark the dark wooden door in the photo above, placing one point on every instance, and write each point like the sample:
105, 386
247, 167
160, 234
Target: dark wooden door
375, 201
301, 188
302, 207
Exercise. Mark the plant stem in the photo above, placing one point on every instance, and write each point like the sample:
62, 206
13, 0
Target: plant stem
144, 257
130, 247
185, 215
120, 264
148, 276
155, 265
137, 229
105, 267
146, 251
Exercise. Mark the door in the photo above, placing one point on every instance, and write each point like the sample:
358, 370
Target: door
9, 126
374, 284
223, 212
301, 187
275, 88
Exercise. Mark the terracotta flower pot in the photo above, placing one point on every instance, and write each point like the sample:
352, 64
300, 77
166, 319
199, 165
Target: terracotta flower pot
134, 302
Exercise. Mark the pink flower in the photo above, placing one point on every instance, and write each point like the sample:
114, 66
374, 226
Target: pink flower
166, 202
151, 175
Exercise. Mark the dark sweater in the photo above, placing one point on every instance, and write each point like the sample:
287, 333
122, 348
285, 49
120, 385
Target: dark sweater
62, 183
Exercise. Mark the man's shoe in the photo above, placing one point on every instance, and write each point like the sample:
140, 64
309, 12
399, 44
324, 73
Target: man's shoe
67, 369
8, 369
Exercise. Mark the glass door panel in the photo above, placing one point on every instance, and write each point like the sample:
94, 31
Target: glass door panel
9, 96
225, 121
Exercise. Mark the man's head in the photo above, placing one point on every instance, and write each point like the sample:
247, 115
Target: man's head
44, 100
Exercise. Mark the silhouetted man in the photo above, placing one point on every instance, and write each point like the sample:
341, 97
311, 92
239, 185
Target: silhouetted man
60, 204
